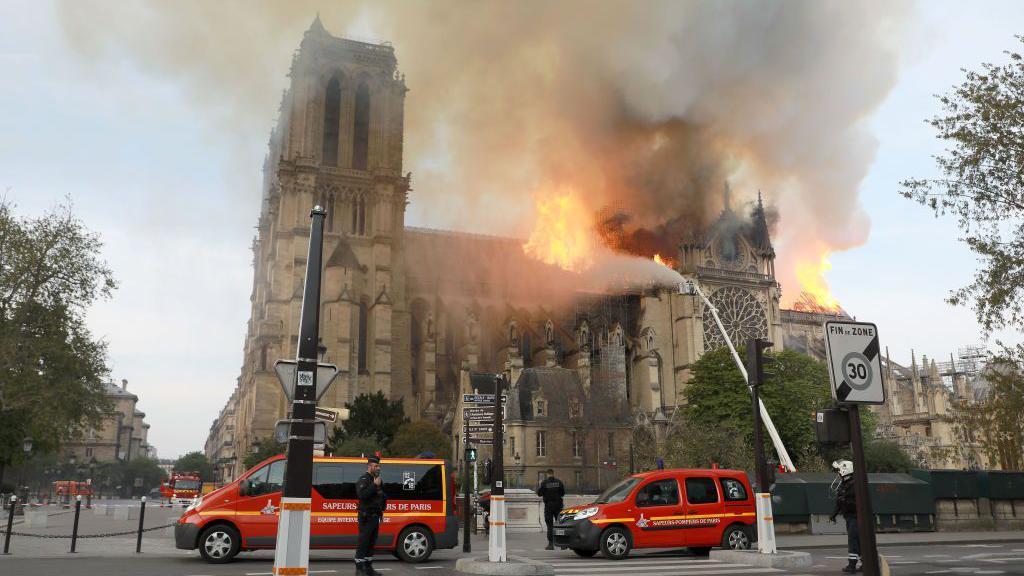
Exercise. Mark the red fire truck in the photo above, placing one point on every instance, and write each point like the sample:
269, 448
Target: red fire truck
182, 488
68, 490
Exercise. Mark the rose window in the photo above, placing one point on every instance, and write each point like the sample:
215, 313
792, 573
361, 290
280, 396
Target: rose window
741, 314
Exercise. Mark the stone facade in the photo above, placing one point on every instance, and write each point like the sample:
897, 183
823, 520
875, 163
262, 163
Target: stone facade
918, 412
123, 435
220, 442
414, 312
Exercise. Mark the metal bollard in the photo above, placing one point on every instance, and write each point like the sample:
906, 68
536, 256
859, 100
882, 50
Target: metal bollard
142, 518
10, 526
74, 528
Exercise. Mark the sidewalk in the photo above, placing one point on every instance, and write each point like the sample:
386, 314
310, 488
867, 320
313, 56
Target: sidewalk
800, 541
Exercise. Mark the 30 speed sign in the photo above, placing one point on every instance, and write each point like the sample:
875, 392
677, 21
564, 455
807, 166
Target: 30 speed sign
854, 362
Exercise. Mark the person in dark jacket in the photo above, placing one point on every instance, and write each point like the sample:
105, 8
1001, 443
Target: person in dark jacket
846, 504
372, 503
551, 490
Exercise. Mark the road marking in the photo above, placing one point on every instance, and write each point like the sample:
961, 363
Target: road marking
695, 571
325, 571
936, 556
905, 562
638, 562
429, 567
674, 566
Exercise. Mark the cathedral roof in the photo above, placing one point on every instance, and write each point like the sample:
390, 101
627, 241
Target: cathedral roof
730, 226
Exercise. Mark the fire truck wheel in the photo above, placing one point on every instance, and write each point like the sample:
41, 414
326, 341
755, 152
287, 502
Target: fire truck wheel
736, 538
415, 544
219, 544
615, 543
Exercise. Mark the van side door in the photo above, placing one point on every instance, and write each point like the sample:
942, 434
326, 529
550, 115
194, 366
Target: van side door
659, 514
258, 509
703, 510
335, 506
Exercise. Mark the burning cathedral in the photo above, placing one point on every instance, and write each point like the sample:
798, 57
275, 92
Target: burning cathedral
419, 314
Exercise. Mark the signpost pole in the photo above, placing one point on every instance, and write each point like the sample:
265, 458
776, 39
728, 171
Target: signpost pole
865, 516
467, 505
496, 551
291, 555
763, 505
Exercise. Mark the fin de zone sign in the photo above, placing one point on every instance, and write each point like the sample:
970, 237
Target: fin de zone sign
854, 362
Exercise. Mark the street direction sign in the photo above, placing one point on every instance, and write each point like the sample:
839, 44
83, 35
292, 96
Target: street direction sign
480, 441
482, 399
854, 362
325, 375
479, 413
488, 428
331, 414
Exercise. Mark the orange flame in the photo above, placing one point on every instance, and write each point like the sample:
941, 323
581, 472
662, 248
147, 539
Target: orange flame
666, 262
563, 232
815, 295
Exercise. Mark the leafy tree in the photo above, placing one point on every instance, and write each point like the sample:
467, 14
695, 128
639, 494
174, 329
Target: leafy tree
886, 456
718, 406
358, 446
981, 184
51, 388
146, 470
267, 447
195, 462
415, 438
371, 416
995, 421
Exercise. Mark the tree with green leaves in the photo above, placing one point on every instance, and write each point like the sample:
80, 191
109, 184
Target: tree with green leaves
421, 436
358, 446
995, 421
51, 388
981, 185
140, 475
718, 404
371, 416
195, 462
267, 447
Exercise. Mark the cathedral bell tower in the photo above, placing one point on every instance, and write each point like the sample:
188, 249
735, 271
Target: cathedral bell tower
338, 143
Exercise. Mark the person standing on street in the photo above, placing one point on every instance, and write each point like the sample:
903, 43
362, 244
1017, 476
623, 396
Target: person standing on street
551, 490
846, 504
372, 503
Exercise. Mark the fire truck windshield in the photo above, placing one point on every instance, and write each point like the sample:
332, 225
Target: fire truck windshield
186, 485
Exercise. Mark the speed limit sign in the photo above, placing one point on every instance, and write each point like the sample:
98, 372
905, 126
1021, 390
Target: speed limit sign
854, 362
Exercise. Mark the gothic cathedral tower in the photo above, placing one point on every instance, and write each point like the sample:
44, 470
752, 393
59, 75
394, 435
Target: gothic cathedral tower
338, 143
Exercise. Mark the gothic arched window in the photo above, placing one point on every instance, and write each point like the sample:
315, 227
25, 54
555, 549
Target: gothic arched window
332, 120
361, 132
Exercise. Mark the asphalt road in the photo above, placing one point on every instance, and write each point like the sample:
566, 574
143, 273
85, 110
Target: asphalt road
905, 560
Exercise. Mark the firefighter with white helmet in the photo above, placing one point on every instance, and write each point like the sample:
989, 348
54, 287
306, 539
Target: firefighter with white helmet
846, 504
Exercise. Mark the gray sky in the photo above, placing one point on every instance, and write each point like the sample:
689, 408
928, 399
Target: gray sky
176, 201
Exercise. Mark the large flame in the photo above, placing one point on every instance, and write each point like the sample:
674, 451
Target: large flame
563, 232
666, 262
814, 293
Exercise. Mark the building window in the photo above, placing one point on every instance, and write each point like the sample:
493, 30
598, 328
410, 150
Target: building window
575, 408
512, 446
88, 452
541, 476
541, 443
332, 119
611, 444
541, 408
578, 477
359, 216
577, 445
361, 135
363, 320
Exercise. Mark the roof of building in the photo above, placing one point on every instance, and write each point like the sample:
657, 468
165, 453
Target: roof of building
113, 389
558, 387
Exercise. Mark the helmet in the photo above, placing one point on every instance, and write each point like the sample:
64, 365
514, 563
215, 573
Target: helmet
843, 467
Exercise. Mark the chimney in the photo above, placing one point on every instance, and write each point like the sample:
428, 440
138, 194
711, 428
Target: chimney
124, 383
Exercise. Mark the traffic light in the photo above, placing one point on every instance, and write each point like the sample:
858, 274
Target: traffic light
488, 471
470, 454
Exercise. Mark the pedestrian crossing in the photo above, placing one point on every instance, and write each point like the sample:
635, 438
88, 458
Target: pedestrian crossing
653, 566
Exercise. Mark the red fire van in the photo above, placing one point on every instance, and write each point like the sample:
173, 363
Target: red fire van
698, 509
243, 515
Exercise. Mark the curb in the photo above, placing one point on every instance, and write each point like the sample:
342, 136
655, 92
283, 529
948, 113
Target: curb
785, 559
516, 566
993, 540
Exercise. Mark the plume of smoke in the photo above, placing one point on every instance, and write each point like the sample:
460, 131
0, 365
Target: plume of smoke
643, 107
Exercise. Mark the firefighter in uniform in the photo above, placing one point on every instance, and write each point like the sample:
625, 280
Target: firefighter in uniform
372, 502
551, 490
846, 504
